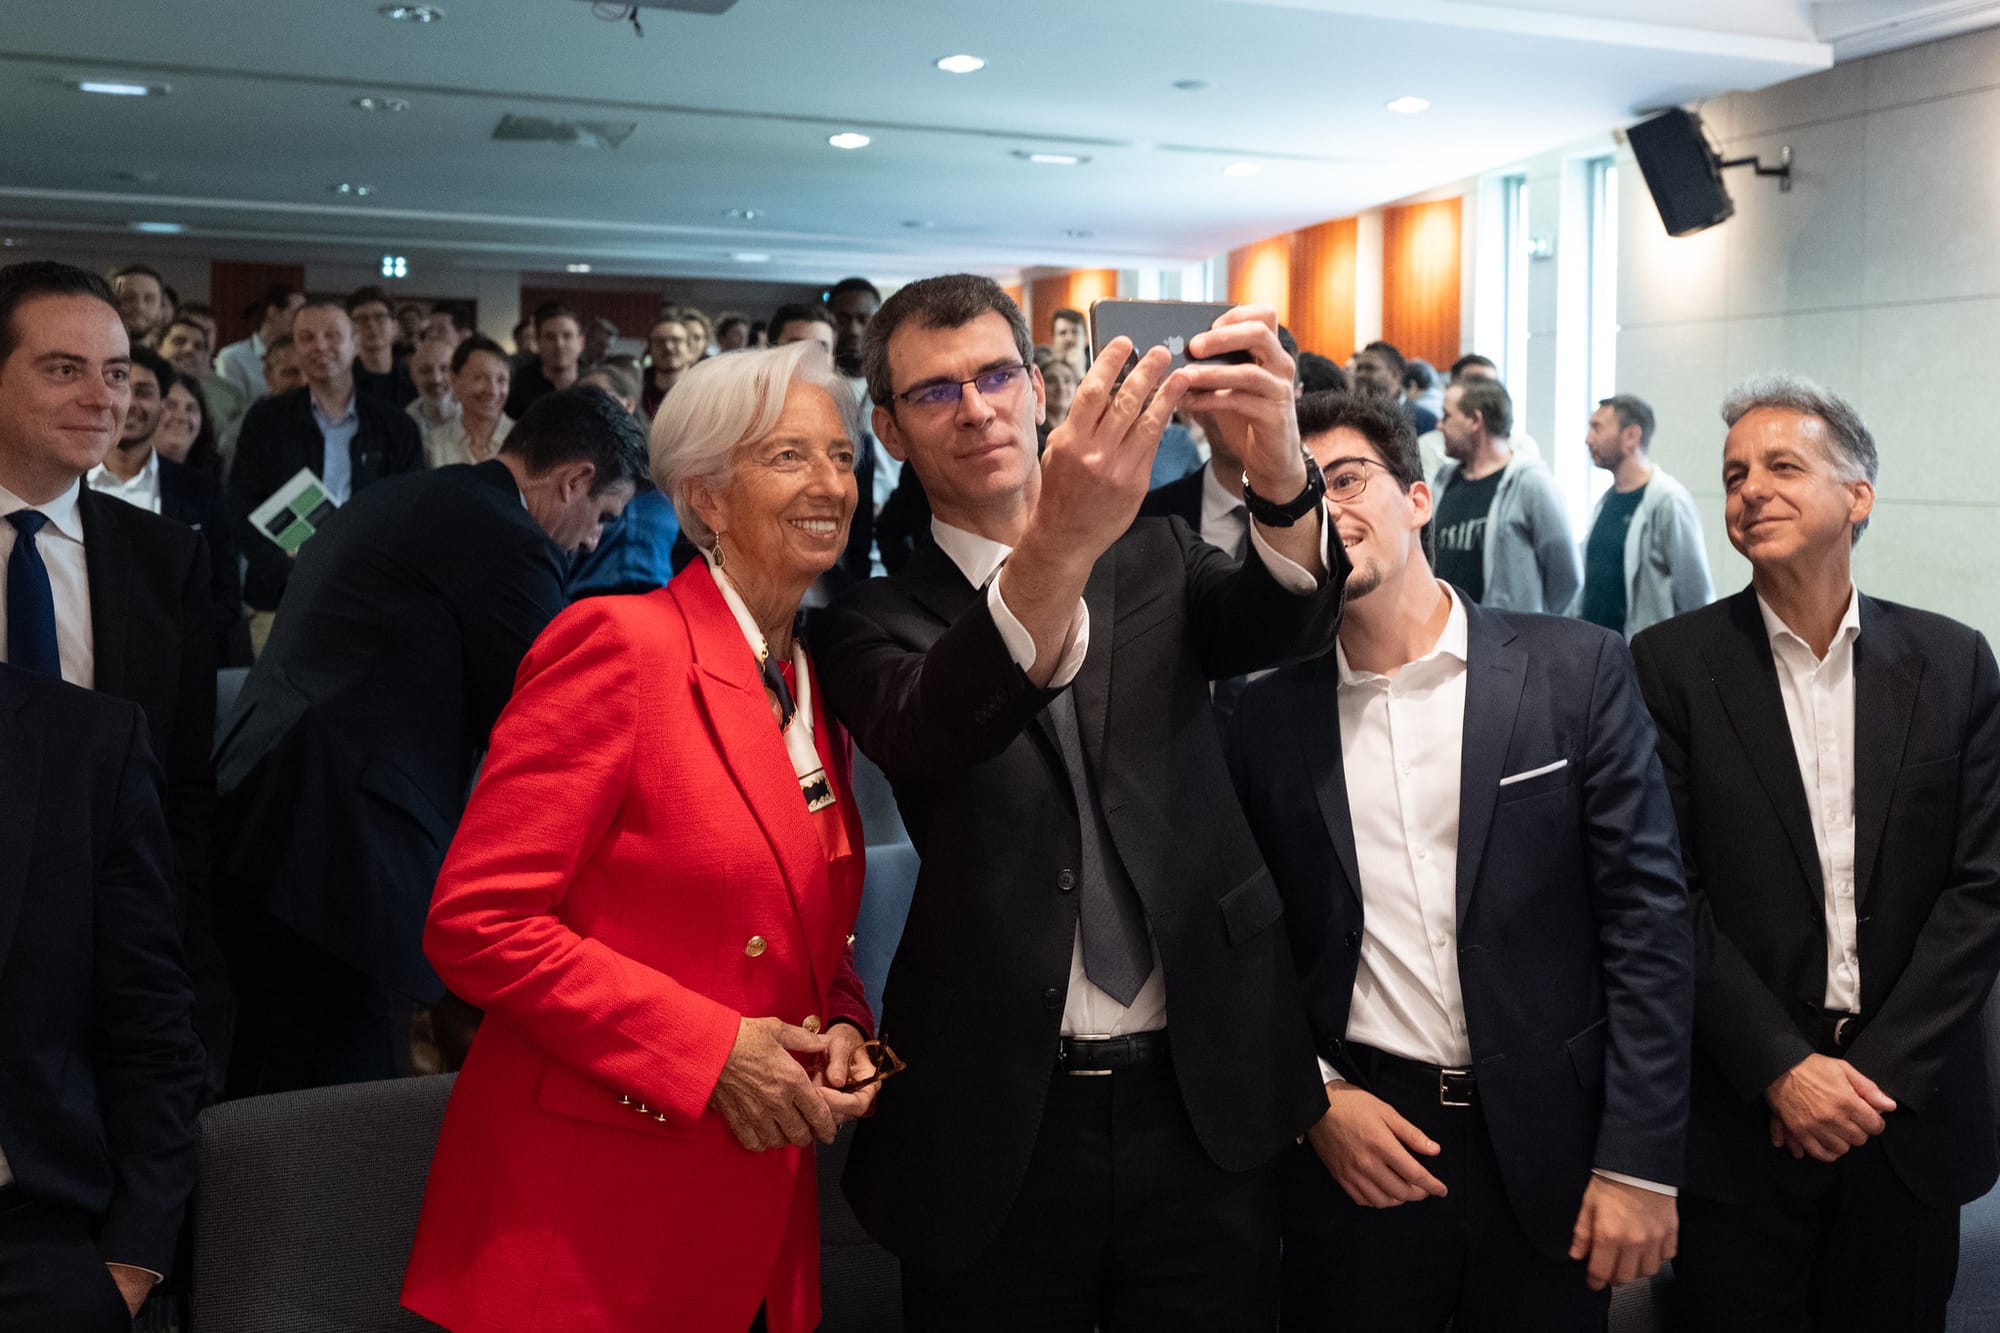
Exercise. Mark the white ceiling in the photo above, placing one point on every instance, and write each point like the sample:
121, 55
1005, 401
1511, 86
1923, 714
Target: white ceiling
733, 112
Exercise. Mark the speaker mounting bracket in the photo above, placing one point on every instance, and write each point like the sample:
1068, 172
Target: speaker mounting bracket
1783, 171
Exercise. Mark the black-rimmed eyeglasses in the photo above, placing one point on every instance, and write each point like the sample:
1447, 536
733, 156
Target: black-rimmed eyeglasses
946, 393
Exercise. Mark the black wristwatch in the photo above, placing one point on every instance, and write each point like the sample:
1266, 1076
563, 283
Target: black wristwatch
1274, 515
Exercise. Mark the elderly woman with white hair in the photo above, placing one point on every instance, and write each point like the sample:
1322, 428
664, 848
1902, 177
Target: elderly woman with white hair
650, 897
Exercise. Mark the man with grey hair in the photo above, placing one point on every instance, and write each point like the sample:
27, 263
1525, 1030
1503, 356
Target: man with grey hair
1643, 560
1835, 767
1503, 538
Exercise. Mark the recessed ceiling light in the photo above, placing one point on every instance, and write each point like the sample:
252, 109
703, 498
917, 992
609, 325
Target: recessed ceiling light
158, 228
961, 64
1409, 106
136, 177
411, 13
118, 88
1051, 159
349, 188
918, 224
1078, 233
1191, 85
750, 257
576, 268
849, 141
1241, 169
380, 104
8, 242
745, 214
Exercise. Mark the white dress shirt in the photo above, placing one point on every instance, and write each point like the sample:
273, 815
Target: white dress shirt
1087, 1010
1819, 708
1225, 519
242, 364
447, 444
143, 489
60, 543
1402, 743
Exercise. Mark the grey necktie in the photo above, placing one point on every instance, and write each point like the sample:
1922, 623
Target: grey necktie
1242, 514
1117, 951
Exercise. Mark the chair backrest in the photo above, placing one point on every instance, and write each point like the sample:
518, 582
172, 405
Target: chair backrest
308, 1205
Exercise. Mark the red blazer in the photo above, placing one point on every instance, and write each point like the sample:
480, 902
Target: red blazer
636, 871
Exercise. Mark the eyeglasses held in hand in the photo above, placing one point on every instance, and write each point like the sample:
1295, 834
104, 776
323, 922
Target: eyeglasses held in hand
885, 1061
946, 393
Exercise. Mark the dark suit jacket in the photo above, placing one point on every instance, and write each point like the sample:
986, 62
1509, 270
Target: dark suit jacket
1177, 499
99, 1070
1927, 883
190, 496
915, 667
152, 625
351, 752
1574, 956
277, 438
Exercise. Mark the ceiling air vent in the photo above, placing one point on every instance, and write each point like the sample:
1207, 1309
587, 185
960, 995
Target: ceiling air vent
581, 133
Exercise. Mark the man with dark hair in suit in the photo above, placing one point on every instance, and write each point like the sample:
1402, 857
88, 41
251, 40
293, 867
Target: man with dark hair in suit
133, 471
101, 593
351, 752
1835, 764
348, 439
97, 1108
1105, 1042
1465, 817
557, 361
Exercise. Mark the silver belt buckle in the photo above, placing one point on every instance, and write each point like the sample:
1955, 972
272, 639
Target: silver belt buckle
1445, 1096
1063, 1052
1840, 1027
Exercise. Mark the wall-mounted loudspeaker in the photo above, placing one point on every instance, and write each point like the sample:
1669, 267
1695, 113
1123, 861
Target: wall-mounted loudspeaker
1682, 171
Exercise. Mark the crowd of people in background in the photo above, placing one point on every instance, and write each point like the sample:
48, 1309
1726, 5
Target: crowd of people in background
378, 511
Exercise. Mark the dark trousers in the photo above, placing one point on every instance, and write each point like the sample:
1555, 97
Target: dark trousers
306, 1019
1123, 1225
1461, 1261
51, 1275
1823, 1246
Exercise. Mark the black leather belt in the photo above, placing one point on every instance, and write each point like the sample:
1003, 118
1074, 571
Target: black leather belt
1105, 1055
1451, 1085
1834, 1030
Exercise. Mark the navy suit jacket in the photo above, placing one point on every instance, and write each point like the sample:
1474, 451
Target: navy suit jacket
1180, 498
1926, 884
100, 1072
1575, 959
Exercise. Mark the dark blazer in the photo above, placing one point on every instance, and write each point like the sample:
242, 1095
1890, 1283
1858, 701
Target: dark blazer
1927, 883
347, 762
277, 438
152, 625
190, 496
915, 667
100, 1071
1177, 499
1574, 955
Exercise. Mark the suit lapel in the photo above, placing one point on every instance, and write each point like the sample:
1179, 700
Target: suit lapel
1745, 676
1495, 674
747, 739
1314, 692
1886, 676
19, 792
107, 567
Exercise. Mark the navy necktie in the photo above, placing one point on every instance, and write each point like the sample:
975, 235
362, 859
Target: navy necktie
31, 606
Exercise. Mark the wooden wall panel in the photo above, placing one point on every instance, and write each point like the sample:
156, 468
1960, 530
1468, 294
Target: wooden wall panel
1076, 290
1322, 288
1262, 271
1420, 279
632, 310
233, 286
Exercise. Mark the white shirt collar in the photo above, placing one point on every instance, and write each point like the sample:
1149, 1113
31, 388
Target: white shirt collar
1453, 642
1778, 630
147, 477
977, 557
1216, 501
61, 511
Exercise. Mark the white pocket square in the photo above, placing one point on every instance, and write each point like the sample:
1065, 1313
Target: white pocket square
1534, 772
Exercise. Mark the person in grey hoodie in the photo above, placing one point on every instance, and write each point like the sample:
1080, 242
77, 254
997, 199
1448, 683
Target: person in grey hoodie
1643, 561
1502, 536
